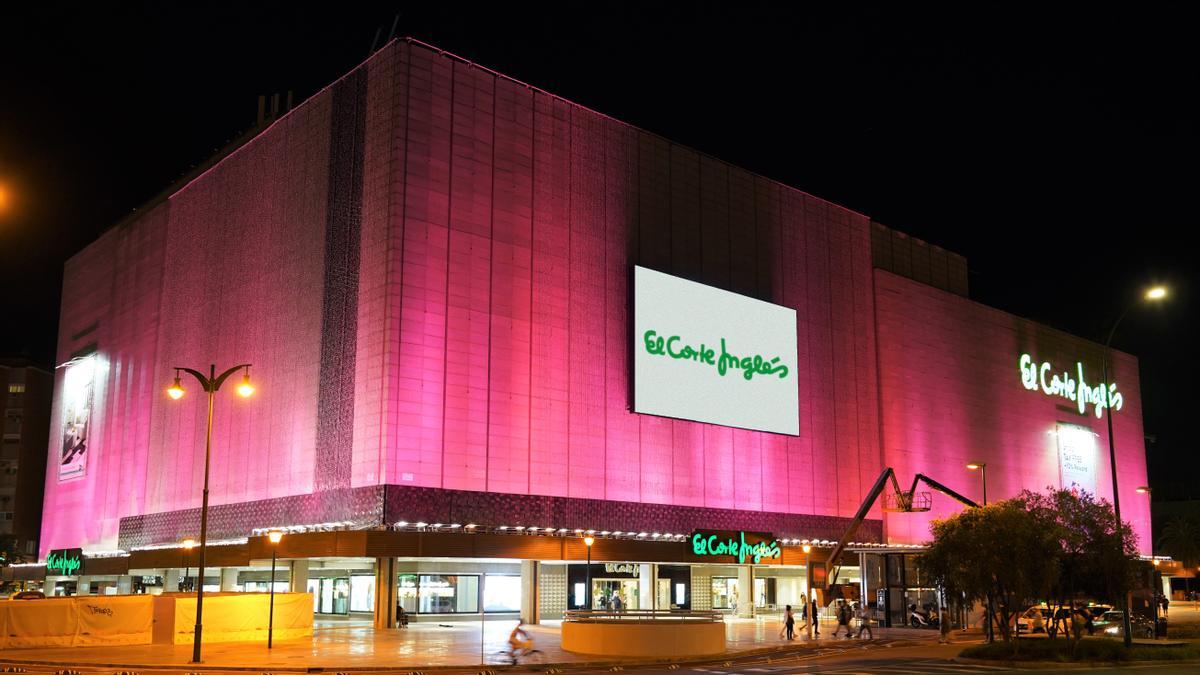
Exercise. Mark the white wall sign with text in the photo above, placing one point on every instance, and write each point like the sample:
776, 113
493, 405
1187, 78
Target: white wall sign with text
709, 355
1077, 458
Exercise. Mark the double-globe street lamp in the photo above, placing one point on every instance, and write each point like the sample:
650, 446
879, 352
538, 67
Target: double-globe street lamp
211, 383
1154, 294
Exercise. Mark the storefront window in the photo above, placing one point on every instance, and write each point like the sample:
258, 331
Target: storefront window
447, 594
406, 592
501, 593
724, 592
362, 594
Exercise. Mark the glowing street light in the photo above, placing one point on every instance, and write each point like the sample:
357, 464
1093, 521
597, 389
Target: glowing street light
274, 536
981, 467
809, 609
1152, 294
188, 544
1143, 490
210, 383
587, 594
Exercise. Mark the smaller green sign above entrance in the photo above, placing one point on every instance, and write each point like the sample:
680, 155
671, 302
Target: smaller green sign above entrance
65, 562
742, 545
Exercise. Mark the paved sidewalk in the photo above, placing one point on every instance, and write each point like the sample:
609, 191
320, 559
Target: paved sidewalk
357, 647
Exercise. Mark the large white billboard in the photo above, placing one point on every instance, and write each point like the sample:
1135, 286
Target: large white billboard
1076, 458
704, 354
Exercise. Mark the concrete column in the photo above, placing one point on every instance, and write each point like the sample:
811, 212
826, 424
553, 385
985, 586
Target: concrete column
124, 584
83, 586
646, 590
229, 577
171, 580
531, 609
385, 592
745, 589
299, 576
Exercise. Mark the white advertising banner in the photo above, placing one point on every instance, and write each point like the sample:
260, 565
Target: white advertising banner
77, 412
708, 355
1077, 458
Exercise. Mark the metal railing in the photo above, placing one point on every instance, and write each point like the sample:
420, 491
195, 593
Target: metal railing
642, 615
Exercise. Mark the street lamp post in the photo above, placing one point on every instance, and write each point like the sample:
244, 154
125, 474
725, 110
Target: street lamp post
1154, 294
587, 592
982, 468
187, 546
211, 384
809, 608
274, 536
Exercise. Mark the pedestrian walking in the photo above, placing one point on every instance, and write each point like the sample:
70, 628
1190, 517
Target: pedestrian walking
814, 617
789, 622
944, 627
843, 618
864, 622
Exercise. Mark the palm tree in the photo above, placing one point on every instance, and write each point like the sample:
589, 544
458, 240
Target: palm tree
1180, 538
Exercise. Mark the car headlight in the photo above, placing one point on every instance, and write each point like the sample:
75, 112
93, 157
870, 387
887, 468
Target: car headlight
1112, 630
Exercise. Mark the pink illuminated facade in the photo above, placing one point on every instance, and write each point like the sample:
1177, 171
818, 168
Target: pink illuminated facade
428, 266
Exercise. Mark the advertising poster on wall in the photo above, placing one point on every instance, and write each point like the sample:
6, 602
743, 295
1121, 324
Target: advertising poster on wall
77, 411
1077, 458
709, 355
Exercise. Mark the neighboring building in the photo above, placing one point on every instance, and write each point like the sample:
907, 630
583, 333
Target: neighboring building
25, 393
433, 268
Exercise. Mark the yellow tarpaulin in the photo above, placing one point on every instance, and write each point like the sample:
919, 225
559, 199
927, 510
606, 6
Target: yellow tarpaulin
243, 617
142, 619
52, 622
115, 620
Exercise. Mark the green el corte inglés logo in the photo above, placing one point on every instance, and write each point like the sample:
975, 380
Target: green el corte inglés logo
724, 362
704, 543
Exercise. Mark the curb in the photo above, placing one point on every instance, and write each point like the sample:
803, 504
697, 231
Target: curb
489, 669
1062, 665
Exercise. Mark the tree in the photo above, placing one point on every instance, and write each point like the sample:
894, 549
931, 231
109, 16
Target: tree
1180, 539
1095, 556
998, 553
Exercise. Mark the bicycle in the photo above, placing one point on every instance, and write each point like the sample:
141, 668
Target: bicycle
514, 656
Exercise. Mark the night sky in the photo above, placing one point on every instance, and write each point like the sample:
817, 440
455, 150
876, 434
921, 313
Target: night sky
1055, 149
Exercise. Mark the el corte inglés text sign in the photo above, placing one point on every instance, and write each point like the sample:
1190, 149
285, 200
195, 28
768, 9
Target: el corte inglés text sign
65, 562
753, 546
1035, 376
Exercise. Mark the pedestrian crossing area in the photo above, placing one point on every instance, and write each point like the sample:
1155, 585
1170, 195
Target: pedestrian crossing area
868, 667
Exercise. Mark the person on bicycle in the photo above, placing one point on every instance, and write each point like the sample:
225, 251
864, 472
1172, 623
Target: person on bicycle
520, 642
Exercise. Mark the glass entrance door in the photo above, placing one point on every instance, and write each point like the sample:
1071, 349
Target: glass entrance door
604, 590
330, 595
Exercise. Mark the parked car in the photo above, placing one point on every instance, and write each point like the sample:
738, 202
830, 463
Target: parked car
1098, 611
1112, 623
1034, 620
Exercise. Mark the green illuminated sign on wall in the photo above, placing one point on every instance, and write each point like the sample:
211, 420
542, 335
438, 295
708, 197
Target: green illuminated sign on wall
724, 362
708, 543
1036, 376
64, 561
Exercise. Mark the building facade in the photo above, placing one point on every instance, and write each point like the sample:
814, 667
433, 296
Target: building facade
430, 268
26, 392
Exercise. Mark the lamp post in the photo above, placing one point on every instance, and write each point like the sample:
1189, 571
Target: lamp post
1153, 295
587, 592
211, 384
982, 468
274, 536
809, 609
187, 546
